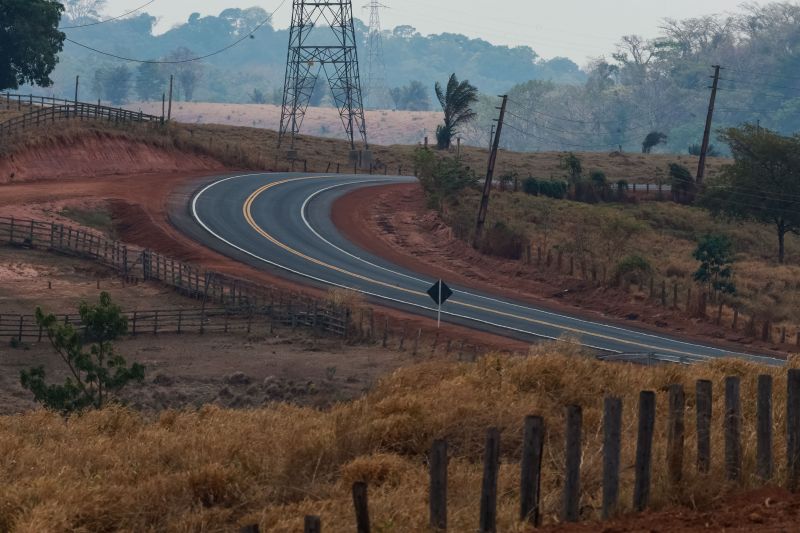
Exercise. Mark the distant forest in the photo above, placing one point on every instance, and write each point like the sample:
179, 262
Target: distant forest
647, 85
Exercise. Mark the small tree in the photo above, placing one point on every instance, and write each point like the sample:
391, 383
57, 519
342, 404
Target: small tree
113, 83
715, 253
456, 100
150, 81
681, 183
762, 184
653, 139
572, 164
258, 96
441, 178
96, 371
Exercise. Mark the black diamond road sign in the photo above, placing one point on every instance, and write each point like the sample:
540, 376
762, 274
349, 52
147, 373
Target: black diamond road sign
436, 290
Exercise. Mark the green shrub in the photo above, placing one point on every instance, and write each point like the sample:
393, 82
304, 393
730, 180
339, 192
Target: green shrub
632, 269
530, 186
553, 189
502, 241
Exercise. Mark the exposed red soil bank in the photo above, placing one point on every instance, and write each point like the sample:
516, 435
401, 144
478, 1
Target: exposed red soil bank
94, 155
767, 509
393, 222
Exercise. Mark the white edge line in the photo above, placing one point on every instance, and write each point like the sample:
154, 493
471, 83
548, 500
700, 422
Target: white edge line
308, 276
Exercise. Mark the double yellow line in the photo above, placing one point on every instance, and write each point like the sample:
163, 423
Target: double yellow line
247, 212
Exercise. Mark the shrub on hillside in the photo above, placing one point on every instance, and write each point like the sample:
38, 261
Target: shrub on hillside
632, 269
502, 241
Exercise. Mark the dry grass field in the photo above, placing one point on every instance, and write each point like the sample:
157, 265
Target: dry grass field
214, 469
385, 127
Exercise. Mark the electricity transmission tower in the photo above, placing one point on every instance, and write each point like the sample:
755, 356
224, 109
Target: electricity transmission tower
322, 40
376, 95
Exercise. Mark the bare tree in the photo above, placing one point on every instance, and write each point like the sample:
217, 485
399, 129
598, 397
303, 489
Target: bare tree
83, 10
188, 73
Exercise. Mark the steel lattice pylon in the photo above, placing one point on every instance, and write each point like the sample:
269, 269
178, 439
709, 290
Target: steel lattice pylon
376, 95
322, 39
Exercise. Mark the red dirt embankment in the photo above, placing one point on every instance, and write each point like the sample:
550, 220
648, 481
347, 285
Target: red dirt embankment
392, 221
96, 154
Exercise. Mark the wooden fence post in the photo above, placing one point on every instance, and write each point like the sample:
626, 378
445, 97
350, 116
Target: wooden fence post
312, 524
531, 464
764, 462
703, 411
491, 466
361, 505
612, 431
675, 437
733, 437
644, 450
572, 476
438, 485
793, 429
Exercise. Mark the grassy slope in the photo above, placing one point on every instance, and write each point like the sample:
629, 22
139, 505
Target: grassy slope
212, 469
664, 233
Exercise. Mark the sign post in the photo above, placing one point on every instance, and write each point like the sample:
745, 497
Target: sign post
439, 293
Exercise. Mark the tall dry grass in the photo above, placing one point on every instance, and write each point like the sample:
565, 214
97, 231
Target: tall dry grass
215, 469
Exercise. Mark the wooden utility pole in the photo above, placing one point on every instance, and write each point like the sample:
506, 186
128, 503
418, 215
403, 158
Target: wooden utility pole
701, 167
163, 106
77, 79
487, 185
169, 108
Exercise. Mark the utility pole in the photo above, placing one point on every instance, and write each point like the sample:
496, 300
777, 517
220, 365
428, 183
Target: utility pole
491, 137
487, 185
169, 109
163, 106
77, 79
701, 167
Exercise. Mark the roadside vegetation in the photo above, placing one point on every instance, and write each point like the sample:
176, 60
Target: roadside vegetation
747, 221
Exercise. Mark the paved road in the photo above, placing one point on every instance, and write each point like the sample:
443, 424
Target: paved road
282, 221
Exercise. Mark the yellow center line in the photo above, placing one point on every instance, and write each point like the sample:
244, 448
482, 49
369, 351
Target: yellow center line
247, 211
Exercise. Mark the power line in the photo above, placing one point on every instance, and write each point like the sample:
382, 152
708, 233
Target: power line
97, 23
595, 122
764, 74
628, 132
177, 62
762, 85
558, 141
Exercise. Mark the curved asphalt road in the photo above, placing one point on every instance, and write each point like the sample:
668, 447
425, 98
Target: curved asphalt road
283, 221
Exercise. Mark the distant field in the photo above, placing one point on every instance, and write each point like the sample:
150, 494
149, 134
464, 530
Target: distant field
383, 127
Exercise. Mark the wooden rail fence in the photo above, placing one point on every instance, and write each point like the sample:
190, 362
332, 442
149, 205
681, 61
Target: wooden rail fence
534, 428
180, 321
44, 110
239, 297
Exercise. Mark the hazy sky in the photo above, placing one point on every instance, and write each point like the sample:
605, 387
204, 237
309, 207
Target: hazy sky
578, 29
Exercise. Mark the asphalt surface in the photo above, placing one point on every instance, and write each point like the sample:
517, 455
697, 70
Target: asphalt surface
282, 221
